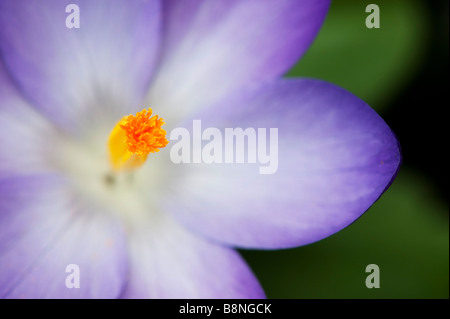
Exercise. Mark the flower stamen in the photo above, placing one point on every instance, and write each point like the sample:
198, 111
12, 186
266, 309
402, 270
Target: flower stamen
134, 137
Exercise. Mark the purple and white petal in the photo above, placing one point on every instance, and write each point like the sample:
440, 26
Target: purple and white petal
102, 68
212, 48
167, 261
335, 157
24, 133
45, 231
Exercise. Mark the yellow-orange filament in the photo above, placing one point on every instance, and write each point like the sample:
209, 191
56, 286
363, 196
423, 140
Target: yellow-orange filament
134, 137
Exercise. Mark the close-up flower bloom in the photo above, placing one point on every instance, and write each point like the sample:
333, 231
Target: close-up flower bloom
83, 182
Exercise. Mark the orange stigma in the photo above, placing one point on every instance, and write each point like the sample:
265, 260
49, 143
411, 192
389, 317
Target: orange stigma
134, 137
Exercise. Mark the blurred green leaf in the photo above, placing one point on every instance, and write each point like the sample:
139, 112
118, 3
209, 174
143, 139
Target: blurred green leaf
405, 233
371, 63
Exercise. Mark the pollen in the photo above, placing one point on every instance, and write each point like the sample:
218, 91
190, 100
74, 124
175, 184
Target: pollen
134, 138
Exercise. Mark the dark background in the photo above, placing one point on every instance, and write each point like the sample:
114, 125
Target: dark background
418, 114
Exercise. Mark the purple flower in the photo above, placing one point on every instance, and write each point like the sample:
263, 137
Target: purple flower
168, 230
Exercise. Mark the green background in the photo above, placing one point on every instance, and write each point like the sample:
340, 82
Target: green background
406, 231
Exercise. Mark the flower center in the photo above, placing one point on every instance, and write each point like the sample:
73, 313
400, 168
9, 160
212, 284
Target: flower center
133, 138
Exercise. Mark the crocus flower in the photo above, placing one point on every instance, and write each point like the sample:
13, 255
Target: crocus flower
164, 229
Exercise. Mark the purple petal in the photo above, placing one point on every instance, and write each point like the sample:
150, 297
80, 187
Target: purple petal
336, 156
24, 133
43, 230
78, 74
212, 48
169, 262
